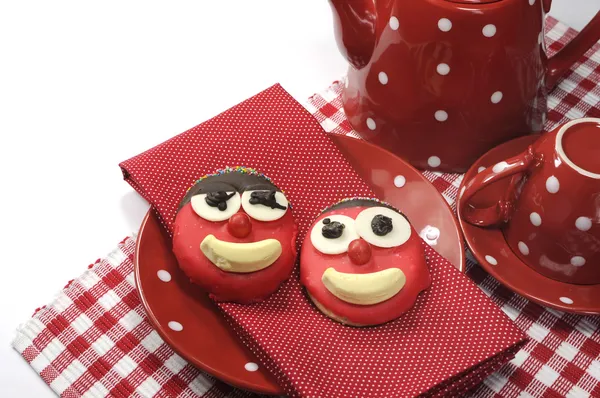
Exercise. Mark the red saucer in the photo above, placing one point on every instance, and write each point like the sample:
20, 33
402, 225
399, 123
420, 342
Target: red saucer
510, 270
207, 341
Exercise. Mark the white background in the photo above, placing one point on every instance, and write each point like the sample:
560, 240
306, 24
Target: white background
85, 85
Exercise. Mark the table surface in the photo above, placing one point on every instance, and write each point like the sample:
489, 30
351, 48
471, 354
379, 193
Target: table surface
84, 86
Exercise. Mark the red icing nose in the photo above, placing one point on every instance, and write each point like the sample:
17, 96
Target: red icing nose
359, 251
239, 225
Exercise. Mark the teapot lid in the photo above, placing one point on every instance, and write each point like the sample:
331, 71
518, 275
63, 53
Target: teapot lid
473, 1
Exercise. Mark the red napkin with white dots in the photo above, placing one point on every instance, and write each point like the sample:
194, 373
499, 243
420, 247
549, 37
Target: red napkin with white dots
448, 342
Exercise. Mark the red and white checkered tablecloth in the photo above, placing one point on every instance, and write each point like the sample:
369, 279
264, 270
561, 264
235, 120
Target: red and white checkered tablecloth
94, 339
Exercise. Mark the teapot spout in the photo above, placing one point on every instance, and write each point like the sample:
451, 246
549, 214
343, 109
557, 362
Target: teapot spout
354, 23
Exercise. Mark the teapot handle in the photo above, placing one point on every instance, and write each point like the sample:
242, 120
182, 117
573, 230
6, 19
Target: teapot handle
572, 52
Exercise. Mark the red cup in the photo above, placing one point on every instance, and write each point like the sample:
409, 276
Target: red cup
550, 214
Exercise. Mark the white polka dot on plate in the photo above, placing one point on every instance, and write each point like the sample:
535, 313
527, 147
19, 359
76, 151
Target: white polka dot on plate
441, 116
251, 367
577, 261
445, 24
443, 69
383, 78
394, 23
535, 219
175, 326
399, 181
480, 169
552, 184
434, 161
523, 248
432, 233
497, 97
491, 260
566, 300
163, 275
531, 2
583, 223
371, 124
489, 30
499, 167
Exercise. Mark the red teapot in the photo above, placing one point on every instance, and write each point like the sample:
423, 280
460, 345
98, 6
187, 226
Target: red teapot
440, 82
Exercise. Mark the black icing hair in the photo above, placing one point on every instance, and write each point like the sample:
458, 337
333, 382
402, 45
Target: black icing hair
229, 181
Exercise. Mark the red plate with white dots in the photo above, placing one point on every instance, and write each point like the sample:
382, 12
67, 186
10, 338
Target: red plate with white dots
492, 251
167, 294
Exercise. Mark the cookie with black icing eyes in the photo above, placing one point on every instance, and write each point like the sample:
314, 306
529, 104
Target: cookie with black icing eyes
235, 236
363, 263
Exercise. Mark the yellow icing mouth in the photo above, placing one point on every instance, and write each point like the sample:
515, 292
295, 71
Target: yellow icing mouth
241, 257
364, 289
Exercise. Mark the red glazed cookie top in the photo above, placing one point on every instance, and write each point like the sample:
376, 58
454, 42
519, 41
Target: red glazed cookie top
234, 236
363, 262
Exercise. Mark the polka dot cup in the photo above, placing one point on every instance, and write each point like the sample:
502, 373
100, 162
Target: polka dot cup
550, 215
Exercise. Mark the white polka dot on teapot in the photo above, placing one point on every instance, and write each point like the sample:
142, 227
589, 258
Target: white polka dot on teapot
535, 219
434, 161
445, 24
496, 97
441, 116
489, 30
371, 124
443, 69
383, 78
583, 223
523, 248
552, 184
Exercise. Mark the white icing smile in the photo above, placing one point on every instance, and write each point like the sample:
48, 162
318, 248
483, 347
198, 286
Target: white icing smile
364, 289
241, 257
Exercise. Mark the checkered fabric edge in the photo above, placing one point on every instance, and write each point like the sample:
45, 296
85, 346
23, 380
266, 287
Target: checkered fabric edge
94, 340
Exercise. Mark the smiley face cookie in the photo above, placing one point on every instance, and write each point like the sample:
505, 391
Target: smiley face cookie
362, 263
235, 236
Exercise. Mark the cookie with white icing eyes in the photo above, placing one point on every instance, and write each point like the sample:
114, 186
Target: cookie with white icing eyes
216, 206
332, 235
264, 205
235, 235
383, 227
362, 263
